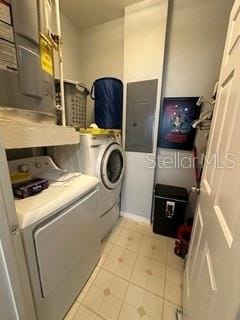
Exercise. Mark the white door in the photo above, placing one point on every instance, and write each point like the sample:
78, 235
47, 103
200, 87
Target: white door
15, 296
212, 274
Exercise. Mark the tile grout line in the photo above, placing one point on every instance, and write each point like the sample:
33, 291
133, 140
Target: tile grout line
106, 255
128, 285
144, 289
130, 278
145, 256
123, 300
172, 302
73, 316
90, 284
129, 281
97, 313
138, 251
94, 312
135, 284
164, 282
176, 269
117, 276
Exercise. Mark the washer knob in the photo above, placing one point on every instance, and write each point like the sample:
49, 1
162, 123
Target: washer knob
23, 168
38, 165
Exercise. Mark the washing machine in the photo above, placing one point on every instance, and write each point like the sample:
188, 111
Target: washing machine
100, 155
59, 228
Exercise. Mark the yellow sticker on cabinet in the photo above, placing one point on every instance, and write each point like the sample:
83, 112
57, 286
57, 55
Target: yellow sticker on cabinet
46, 51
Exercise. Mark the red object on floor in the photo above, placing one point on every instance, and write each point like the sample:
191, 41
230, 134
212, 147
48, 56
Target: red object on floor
182, 244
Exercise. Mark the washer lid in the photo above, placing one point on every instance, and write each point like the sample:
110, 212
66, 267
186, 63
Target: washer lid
53, 199
112, 166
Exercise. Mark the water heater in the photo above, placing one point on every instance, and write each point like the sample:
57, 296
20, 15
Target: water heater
26, 56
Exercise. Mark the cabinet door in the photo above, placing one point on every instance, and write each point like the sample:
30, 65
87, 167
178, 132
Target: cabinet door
141, 107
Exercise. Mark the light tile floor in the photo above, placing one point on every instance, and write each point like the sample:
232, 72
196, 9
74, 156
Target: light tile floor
138, 277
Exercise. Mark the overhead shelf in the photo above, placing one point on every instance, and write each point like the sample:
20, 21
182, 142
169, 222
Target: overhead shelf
18, 134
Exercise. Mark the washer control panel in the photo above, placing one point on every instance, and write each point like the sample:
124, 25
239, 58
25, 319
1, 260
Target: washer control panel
31, 165
40, 167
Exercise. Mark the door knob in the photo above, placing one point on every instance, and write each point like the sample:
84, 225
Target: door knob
196, 189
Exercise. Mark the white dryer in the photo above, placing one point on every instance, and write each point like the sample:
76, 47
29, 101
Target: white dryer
103, 157
60, 231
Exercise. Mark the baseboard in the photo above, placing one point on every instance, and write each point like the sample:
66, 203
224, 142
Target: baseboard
134, 217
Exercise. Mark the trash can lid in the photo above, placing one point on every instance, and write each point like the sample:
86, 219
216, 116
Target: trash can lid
171, 192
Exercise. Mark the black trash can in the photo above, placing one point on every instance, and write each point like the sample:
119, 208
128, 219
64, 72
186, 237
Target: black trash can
169, 209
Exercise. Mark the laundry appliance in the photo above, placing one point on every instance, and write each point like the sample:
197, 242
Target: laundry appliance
26, 56
100, 155
60, 233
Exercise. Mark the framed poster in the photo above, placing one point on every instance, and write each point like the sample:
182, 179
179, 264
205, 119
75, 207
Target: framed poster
176, 118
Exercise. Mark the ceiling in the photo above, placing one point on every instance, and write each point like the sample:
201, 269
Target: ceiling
88, 13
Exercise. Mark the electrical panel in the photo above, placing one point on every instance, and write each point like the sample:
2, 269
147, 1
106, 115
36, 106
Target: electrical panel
26, 56
140, 117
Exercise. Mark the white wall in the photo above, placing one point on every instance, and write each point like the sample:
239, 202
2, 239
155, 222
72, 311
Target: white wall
195, 41
144, 43
102, 54
72, 53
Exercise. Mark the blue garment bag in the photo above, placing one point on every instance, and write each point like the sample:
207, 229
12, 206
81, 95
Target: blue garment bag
107, 94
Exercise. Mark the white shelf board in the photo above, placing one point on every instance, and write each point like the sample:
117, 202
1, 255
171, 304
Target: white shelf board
20, 134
